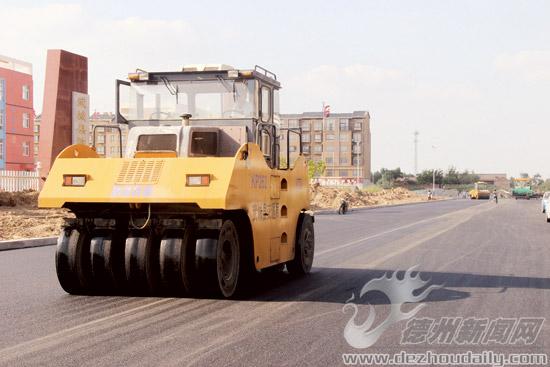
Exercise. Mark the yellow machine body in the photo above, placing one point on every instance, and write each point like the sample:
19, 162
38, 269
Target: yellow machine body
272, 198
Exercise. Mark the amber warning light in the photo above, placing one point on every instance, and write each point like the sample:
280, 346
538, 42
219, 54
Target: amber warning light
198, 180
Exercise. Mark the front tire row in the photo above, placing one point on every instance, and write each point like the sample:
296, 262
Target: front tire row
142, 262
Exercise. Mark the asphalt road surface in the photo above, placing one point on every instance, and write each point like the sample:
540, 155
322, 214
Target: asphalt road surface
491, 263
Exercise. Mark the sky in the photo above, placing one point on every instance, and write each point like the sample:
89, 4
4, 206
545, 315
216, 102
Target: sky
473, 77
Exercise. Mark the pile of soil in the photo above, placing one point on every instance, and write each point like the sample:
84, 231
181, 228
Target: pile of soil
327, 197
21, 218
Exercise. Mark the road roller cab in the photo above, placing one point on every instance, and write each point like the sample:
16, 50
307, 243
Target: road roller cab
202, 181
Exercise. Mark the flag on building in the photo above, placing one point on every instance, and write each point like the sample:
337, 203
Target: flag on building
326, 110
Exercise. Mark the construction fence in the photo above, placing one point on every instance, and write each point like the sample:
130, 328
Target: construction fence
19, 180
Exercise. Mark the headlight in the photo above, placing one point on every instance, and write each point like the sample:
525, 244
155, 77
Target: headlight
74, 180
198, 180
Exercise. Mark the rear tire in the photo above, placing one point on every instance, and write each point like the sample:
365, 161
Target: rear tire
228, 259
72, 261
178, 272
141, 263
304, 247
107, 261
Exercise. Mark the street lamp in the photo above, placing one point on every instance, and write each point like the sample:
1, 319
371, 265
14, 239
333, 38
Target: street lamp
433, 174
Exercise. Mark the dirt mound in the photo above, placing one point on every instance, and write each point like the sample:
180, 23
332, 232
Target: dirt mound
20, 199
327, 197
21, 218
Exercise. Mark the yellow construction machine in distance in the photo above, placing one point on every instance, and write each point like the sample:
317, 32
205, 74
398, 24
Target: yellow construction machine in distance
201, 179
480, 191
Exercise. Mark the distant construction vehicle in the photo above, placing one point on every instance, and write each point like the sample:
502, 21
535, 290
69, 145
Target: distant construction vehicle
480, 191
201, 179
522, 188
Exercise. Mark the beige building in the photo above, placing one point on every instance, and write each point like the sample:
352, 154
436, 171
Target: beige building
107, 141
342, 141
500, 180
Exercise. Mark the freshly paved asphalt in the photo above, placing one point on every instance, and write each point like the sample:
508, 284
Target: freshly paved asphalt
491, 260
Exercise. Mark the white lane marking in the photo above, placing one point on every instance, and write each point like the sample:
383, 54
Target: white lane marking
355, 242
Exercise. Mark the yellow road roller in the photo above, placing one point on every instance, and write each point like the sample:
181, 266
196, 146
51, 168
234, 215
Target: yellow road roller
480, 191
202, 180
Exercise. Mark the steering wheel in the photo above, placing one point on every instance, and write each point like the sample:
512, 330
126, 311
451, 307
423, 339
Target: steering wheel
159, 114
229, 113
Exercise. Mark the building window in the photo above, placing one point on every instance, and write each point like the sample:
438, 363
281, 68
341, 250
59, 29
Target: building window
36, 128
101, 139
292, 148
356, 161
328, 173
306, 125
26, 121
357, 125
36, 139
306, 138
26, 93
330, 124
344, 173
356, 137
329, 160
343, 148
1, 149
318, 148
357, 149
318, 125
343, 160
26, 149
36, 149
330, 137
344, 125
114, 150
100, 150
112, 138
305, 148
318, 138
330, 148
344, 137
293, 124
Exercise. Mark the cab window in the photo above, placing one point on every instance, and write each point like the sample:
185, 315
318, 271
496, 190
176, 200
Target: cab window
266, 104
204, 143
157, 142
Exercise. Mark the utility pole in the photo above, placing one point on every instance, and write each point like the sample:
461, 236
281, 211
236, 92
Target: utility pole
415, 152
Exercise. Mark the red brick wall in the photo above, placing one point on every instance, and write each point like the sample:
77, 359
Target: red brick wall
16, 106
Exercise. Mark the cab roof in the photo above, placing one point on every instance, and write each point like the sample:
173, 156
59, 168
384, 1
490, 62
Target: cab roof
208, 72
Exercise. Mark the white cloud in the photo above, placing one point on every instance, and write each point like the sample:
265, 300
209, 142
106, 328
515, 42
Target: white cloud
114, 47
530, 65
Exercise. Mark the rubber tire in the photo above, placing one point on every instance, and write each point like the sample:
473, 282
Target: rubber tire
547, 220
72, 261
107, 261
141, 265
177, 261
228, 243
304, 247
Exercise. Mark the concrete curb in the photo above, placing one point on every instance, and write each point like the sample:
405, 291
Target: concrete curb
27, 243
335, 211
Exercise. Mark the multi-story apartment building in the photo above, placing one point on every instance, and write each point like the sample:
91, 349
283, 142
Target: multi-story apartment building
107, 140
16, 115
341, 140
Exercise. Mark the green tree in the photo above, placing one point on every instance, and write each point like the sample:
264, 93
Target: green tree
426, 177
452, 177
315, 169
